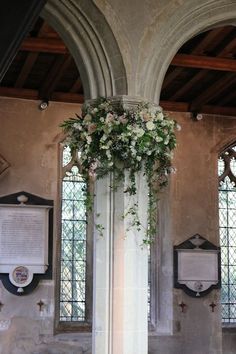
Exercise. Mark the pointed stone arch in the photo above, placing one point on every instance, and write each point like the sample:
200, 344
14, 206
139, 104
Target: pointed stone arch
91, 42
4, 165
184, 23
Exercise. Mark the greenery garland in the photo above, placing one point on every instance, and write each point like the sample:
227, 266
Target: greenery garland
112, 139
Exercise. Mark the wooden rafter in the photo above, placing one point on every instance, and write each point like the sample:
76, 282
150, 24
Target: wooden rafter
68, 97
229, 49
204, 62
212, 36
170, 77
76, 86
216, 89
206, 109
26, 69
228, 98
55, 75
34, 95
196, 79
19, 93
175, 106
44, 45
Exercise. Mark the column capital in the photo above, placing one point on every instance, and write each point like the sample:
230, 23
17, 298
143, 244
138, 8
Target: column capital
127, 102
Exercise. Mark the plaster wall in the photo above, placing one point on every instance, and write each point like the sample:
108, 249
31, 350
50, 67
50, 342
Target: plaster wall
193, 208
29, 142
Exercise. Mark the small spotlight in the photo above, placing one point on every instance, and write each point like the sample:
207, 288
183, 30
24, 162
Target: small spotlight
197, 116
43, 105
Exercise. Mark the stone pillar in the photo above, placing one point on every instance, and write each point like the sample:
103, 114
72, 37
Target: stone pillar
120, 324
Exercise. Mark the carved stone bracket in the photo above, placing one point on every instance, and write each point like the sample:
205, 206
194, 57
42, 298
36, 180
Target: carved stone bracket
4, 165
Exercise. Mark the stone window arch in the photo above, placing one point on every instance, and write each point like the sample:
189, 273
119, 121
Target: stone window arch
227, 229
75, 253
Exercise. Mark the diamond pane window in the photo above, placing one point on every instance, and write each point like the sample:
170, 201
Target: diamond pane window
73, 241
227, 224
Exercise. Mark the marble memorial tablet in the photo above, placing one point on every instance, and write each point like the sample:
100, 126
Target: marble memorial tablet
197, 264
24, 236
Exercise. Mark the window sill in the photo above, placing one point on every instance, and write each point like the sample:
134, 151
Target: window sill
229, 328
70, 327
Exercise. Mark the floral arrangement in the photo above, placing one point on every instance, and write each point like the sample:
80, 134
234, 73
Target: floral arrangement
112, 139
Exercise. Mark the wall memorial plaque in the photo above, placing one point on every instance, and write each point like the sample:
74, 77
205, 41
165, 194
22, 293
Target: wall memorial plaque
197, 266
25, 241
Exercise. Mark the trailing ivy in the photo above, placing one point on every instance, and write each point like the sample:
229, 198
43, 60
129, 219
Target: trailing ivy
112, 139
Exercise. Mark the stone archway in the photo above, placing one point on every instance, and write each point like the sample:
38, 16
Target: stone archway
183, 23
91, 42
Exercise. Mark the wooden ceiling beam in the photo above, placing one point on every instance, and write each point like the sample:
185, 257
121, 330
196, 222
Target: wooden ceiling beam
77, 98
216, 89
34, 95
44, 45
26, 69
62, 63
219, 110
204, 62
76, 86
189, 85
229, 49
19, 93
206, 109
170, 77
211, 37
175, 106
226, 99
68, 97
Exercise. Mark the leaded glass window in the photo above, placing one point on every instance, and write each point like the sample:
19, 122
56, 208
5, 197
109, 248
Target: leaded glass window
227, 227
74, 271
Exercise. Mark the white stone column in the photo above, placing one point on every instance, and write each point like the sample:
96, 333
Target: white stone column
120, 324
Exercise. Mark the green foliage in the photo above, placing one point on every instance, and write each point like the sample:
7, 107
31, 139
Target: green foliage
112, 140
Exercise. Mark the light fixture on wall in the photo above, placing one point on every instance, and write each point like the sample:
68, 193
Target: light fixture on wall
197, 116
43, 105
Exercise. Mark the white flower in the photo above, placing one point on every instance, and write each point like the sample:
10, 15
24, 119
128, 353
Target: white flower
178, 127
77, 126
158, 139
108, 154
150, 125
109, 118
102, 105
160, 116
87, 118
103, 138
139, 158
139, 132
167, 139
102, 120
95, 110
89, 139
153, 110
